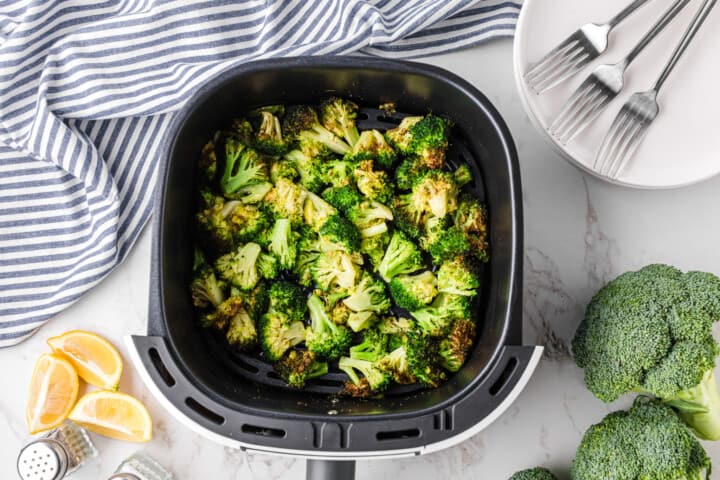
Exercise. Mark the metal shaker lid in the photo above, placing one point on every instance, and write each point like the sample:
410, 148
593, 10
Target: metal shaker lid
43, 459
124, 476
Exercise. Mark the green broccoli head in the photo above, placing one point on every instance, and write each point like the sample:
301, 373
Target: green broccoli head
205, 288
287, 200
277, 334
269, 137
446, 243
248, 221
338, 173
343, 198
649, 331
471, 220
537, 473
240, 267
241, 332
463, 175
244, 168
268, 266
324, 337
310, 169
413, 292
455, 348
458, 276
374, 379
302, 124
648, 441
283, 244
335, 269
340, 232
297, 367
401, 257
372, 145
424, 137
409, 172
368, 295
370, 218
283, 168
288, 299
373, 184
374, 247
338, 115
373, 346
317, 211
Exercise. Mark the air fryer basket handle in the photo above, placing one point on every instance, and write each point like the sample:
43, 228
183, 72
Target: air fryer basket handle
330, 470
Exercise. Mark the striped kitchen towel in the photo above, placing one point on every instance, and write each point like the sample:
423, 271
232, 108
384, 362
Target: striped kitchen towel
87, 87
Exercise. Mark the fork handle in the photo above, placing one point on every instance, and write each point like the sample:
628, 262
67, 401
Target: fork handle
627, 11
659, 26
692, 30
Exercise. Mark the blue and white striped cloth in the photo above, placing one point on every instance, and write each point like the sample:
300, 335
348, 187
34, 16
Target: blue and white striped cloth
87, 87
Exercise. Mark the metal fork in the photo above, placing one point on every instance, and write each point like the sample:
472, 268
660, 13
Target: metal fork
632, 123
603, 85
576, 51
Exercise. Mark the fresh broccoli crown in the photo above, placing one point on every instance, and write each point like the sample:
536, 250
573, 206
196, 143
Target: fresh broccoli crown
409, 172
343, 198
207, 165
287, 200
430, 140
309, 169
248, 221
455, 348
302, 123
205, 288
269, 138
648, 441
400, 137
374, 247
374, 184
537, 473
244, 167
338, 115
283, 169
317, 211
340, 231
377, 379
368, 295
241, 332
471, 219
458, 276
324, 337
423, 359
446, 244
372, 347
372, 145
413, 292
335, 269
401, 257
463, 175
223, 313
282, 244
436, 193
255, 302
453, 306
648, 331
289, 299
240, 267
268, 266
297, 367
277, 334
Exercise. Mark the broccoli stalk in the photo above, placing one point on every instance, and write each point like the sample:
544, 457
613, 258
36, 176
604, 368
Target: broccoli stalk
368, 295
338, 116
699, 407
244, 168
240, 267
282, 245
401, 257
374, 379
358, 321
268, 138
297, 367
324, 337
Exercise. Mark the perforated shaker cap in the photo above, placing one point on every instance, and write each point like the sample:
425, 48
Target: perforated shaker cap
43, 459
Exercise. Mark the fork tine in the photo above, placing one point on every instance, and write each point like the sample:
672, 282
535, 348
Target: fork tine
570, 107
593, 107
549, 60
613, 139
571, 64
574, 123
632, 143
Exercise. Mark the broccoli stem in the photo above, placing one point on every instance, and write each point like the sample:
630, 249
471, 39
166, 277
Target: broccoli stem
699, 407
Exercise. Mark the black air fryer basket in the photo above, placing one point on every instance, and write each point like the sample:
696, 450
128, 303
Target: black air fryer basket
239, 401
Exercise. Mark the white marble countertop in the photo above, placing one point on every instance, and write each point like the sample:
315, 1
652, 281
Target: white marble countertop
579, 233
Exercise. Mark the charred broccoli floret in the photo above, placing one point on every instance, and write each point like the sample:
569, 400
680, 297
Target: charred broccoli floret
278, 334
244, 169
425, 137
372, 348
335, 269
255, 301
339, 232
401, 257
343, 198
423, 359
454, 348
288, 299
338, 173
396, 364
310, 169
443, 242
453, 306
373, 146
269, 137
240, 267
206, 289
317, 211
223, 313
463, 175
373, 184
374, 380
338, 115
268, 266
297, 367
471, 220
287, 200
248, 221
368, 295
413, 292
302, 123
324, 337
207, 165
435, 193
283, 168
458, 276
370, 218
241, 332
215, 228
409, 172
283, 244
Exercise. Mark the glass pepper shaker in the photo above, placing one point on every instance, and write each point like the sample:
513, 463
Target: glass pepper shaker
57, 454
140, 466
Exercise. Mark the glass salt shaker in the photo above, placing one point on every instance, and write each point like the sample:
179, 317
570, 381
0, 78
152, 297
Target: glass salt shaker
140, 466
57, 454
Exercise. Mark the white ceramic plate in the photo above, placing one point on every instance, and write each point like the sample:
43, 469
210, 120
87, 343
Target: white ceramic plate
683, 145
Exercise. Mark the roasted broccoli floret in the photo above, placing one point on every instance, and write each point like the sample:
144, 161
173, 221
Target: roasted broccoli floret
241, 131
297, 367
268, 266
343, 198
240, 267
374, 184
207, 165
248, 221
339, 312
432, 321
206, 289
455, 348
396, 364
458, 276
650, 331
308, 253
537, 473
317, 211
288, 299
372, 347
223, 313
283, 169
401, 257
453, 306
335, 269
338, 173
302, 123
338, 115
409, 172
413, 292
423, 359
373, 146
444, 243
324, 337
287, 200
370, 218
244, 168
241, 332
277, 110
269, 137
397, 326
339, 232
309, 168
215, 228
255, 301
359, 321
471, 220
368, 295
425, 137
407, 216
283, 244
648, 441
436, 193
463, 175
278, 334
374, 379
374, 247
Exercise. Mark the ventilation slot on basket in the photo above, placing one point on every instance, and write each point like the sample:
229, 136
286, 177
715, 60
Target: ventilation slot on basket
204, 411
160, 367
263, 431
443, 420
504, 377
398, 434
386, 119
